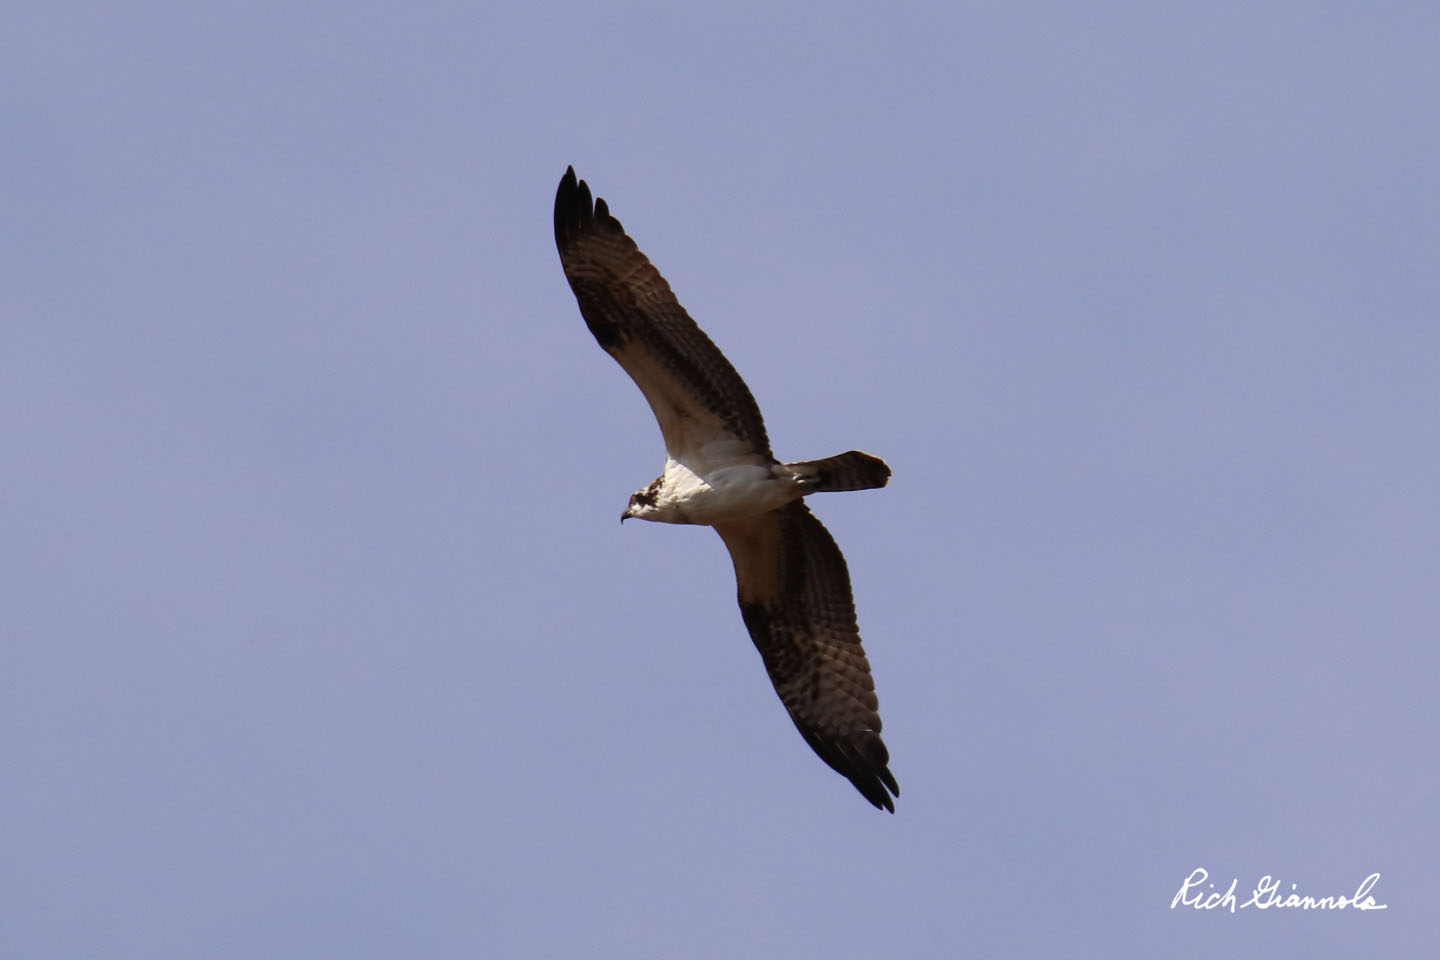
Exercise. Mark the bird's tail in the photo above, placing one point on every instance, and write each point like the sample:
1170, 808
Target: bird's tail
844, 471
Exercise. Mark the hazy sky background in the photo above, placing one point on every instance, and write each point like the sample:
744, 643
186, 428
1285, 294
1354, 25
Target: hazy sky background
320, 638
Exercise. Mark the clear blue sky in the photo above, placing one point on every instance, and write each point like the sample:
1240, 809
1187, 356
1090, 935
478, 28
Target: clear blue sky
320, 637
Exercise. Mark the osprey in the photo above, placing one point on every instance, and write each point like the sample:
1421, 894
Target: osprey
793, 584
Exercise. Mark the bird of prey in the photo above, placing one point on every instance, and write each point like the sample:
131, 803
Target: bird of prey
794, 587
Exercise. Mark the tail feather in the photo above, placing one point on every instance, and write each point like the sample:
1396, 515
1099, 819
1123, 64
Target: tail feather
844, 471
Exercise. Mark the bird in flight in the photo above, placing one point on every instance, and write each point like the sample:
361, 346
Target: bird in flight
794, 587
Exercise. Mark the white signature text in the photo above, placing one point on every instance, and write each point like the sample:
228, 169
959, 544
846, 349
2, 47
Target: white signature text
1198, 893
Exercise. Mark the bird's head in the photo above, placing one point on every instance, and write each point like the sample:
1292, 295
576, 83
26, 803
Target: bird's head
643, 502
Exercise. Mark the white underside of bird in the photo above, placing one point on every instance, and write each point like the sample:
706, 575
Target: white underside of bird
714, 494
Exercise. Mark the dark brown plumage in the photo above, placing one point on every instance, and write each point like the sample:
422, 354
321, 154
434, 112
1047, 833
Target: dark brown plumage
796, 602
794, 588
630, 308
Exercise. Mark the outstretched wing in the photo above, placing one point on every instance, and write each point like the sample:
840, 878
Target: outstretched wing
696, 394
796, 601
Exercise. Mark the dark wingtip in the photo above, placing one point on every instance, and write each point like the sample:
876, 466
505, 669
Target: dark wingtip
572, 207
877, 796
576, 211
864, 761
873, 786
888, 778
868, 768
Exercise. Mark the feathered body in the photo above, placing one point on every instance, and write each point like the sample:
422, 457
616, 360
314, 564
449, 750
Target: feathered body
794, 588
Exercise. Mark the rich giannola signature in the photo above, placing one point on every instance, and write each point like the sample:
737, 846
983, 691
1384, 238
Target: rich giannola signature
1199, 893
